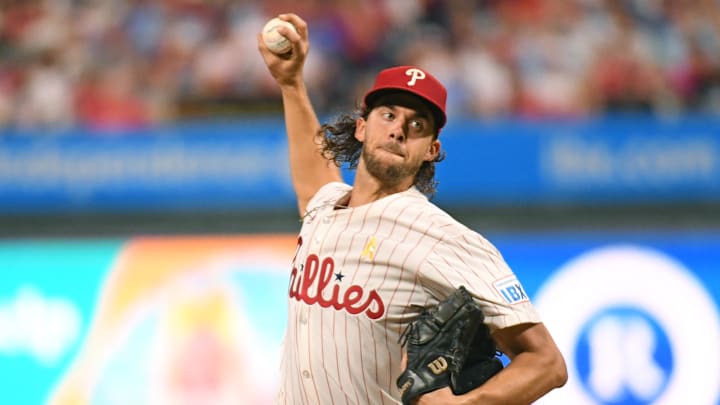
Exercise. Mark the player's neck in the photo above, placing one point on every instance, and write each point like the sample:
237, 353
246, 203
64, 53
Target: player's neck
367, 189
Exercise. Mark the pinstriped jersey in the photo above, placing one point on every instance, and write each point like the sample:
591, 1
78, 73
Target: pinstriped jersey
361, 274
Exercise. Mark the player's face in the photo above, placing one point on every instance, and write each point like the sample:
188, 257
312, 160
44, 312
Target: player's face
398, 136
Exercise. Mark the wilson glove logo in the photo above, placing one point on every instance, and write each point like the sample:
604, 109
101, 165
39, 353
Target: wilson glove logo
438, 366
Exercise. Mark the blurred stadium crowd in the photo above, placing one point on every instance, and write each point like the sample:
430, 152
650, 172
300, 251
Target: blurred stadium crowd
137, 63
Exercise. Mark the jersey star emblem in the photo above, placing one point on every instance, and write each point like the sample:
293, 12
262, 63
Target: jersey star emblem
339, 276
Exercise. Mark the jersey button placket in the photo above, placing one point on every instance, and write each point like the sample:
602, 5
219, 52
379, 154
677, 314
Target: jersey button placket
304, 365
322, 229
307, 335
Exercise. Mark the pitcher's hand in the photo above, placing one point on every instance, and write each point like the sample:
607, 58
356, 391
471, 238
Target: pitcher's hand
437, 397
287, 68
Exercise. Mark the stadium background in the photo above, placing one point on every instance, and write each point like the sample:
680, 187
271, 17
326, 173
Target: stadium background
147, 219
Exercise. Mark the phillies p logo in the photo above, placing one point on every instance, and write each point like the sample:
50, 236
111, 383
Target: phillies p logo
415, 75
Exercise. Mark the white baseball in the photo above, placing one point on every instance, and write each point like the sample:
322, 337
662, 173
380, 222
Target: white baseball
275, 41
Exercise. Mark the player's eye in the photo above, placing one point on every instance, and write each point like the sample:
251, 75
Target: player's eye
388, 115
417, 125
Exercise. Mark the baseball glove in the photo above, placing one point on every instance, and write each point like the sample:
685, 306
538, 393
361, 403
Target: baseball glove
448, 345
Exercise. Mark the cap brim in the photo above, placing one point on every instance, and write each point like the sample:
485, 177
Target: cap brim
436, 110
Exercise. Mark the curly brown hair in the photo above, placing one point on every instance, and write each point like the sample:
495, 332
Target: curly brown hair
340, 145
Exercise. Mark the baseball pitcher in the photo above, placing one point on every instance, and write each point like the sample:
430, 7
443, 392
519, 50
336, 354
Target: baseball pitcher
390, 299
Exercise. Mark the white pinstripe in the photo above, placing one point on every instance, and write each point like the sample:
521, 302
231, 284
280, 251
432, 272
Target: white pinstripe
341, 344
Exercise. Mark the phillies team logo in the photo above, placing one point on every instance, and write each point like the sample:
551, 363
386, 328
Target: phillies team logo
312, 283
415, 75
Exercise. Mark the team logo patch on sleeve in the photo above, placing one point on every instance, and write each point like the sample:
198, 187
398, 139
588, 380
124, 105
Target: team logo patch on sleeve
511, 290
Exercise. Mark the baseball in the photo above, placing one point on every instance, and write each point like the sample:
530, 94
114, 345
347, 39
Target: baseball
276, 42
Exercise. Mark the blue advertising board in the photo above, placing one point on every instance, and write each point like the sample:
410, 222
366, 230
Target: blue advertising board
621, 160
636, 316
243, 165
220, 165
147, 320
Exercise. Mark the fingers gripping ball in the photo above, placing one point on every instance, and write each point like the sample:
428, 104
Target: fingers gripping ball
275, 41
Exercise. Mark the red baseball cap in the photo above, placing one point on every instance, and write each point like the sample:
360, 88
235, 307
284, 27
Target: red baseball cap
412, 80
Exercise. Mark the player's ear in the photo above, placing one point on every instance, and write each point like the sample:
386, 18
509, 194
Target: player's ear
360, 125
432, 151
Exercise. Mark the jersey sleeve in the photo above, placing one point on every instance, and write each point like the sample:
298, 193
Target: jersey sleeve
472, 261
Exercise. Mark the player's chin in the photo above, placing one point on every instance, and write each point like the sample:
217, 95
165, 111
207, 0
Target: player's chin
388, 164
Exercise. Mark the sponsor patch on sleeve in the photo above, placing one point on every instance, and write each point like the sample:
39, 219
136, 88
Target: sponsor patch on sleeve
511, 290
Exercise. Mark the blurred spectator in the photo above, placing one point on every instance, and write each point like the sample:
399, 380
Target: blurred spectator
110, 100
115, 64
46, 97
